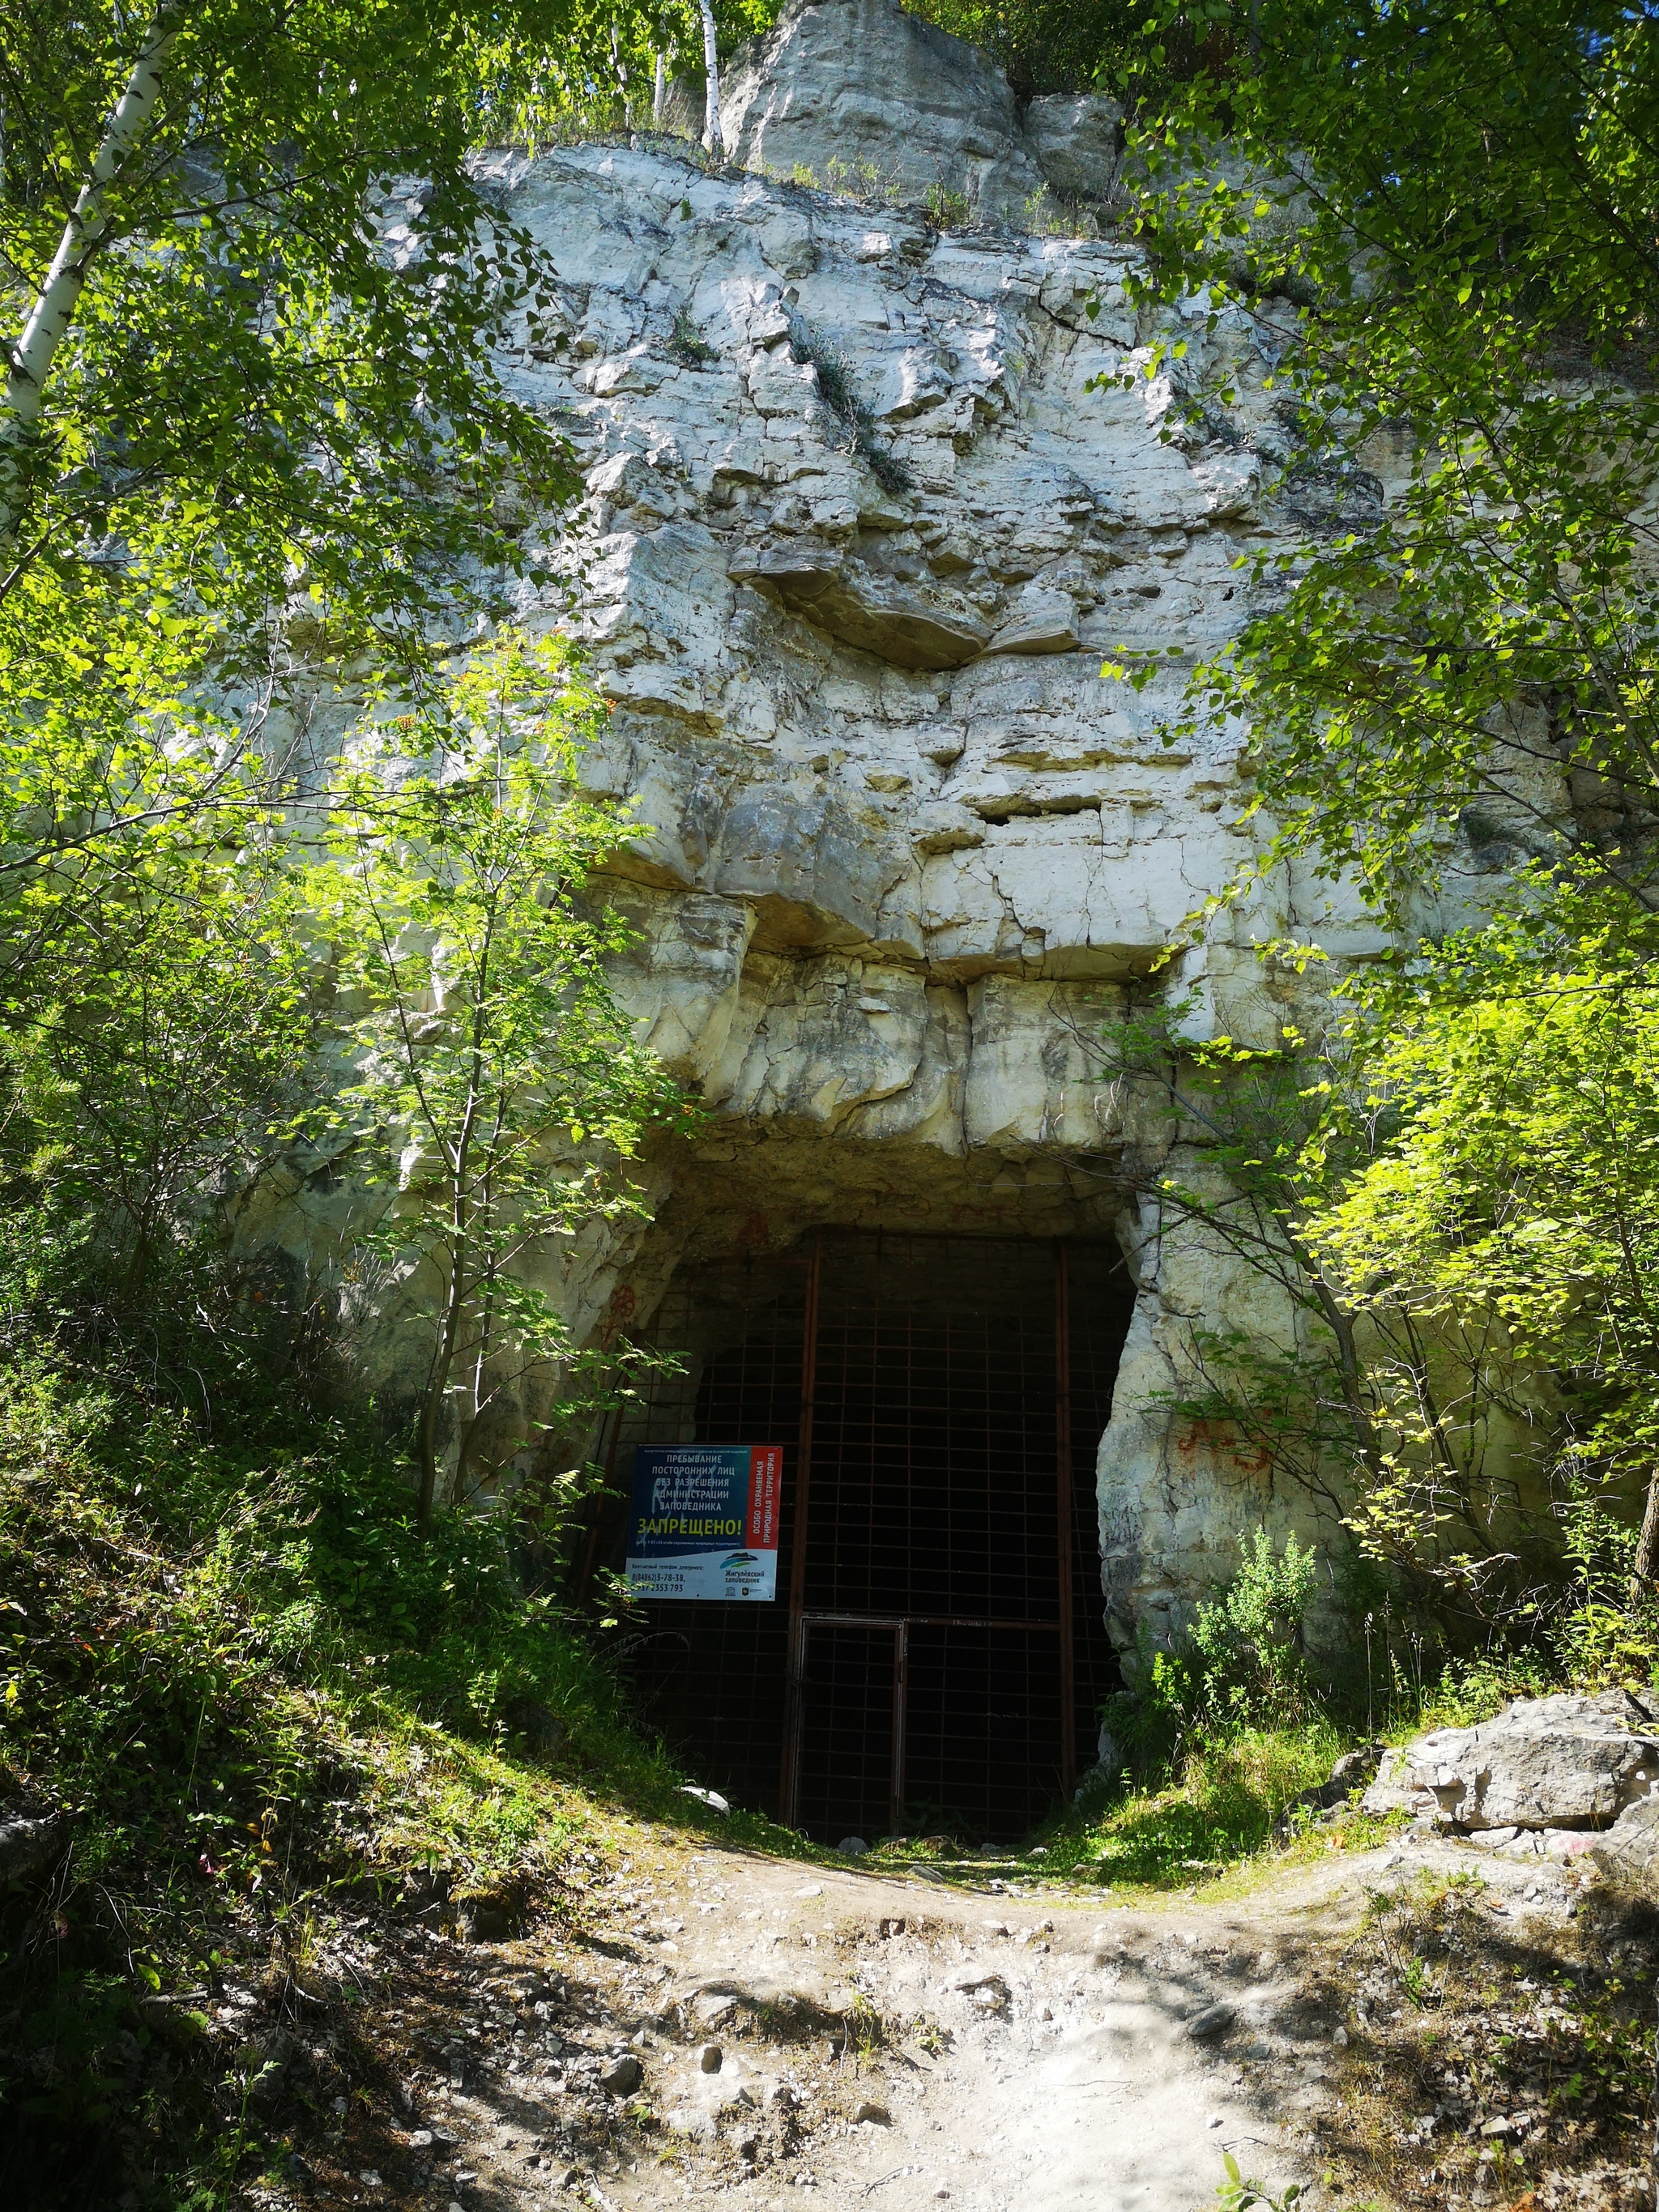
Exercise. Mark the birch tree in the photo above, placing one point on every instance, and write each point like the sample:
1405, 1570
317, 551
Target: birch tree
711, 63
252, 420
501, 1097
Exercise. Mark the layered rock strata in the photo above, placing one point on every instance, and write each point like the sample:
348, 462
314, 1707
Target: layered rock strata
866, 501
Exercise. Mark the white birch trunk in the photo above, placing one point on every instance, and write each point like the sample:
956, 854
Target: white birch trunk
711, 131
660, 90
54, 308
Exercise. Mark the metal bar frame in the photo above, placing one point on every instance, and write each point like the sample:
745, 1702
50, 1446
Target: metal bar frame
901, 1698
923, 1620
794, 1711
801, 1621
1063, 1499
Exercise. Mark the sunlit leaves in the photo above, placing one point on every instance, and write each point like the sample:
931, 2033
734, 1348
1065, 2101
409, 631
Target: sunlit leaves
1462, 205
497, 1091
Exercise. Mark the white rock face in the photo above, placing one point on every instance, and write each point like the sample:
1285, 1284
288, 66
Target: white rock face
857, 82
909, 849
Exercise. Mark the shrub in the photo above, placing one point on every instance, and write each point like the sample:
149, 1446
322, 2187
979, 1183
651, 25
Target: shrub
1240, 1665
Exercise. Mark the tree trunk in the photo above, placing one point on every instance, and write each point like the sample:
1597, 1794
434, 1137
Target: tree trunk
1644, 1571
620, 68
60, 295
660, 90
437, 1386
711, 131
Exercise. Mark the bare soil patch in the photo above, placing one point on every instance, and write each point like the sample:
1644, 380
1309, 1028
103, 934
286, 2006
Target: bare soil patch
1414, 2026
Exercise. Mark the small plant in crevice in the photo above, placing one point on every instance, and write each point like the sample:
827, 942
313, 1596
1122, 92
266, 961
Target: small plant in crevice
950, 209
687, 344
891, 472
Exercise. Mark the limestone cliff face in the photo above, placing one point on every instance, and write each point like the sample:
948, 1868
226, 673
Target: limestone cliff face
866, 504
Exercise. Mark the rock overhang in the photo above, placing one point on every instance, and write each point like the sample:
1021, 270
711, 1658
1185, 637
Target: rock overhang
909, 850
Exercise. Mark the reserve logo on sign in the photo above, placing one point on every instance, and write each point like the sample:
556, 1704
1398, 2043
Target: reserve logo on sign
704, 1521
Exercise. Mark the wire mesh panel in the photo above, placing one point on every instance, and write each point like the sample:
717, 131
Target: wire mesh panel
935, 1491
933, 1431
710, 1678
982, 1733
847, 1732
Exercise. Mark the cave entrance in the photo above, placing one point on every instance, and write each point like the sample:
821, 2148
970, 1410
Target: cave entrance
936, 1657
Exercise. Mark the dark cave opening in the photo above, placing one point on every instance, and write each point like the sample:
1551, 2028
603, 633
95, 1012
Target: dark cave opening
936, 1657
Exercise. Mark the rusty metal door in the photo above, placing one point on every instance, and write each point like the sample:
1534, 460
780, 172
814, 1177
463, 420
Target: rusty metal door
940, 1650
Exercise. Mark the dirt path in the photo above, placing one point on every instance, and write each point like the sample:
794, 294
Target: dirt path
730, 2023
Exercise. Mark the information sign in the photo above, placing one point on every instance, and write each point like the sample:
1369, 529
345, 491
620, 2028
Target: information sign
704, 1521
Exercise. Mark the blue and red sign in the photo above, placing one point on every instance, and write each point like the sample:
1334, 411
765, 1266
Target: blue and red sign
704, 1521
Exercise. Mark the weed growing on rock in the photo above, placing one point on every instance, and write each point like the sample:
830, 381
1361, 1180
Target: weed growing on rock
950, 209
688, 345
891, 472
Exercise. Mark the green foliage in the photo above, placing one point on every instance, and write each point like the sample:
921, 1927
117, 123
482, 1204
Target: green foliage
1521, 1177
1496, 1248
157, 1025
1450, 280
1240, 1666
1447, 1197
1238, 2195
688, 345
1466, 232
272, 431
497, 1093
1215, 1806
242, 1679
949, 209
1047, 46
1247, 1642
250, 1684
252, 437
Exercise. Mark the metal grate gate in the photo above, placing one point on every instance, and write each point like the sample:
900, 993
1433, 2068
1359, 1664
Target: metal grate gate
939, 1658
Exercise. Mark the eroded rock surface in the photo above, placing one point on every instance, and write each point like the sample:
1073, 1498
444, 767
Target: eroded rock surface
1566, 1762
867, 503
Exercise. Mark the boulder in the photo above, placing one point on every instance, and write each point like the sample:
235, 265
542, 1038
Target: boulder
27, 1846
864, 96
1559, 1762
1075, 138
1630, 1849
